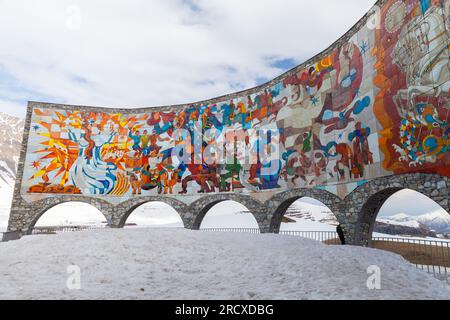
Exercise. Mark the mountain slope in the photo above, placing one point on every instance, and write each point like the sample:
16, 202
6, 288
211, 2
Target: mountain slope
11, 129
435, 222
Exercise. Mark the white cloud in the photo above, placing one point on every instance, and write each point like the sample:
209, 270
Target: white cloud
147, 53
12, 108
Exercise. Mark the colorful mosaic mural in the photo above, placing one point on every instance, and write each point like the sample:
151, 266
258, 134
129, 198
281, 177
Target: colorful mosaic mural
377, 105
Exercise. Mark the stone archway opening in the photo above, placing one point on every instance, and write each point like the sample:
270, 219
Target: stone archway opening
401, 212
228, 214
411, 214
154, 214
308, 214
410, 224
68, 216
309, 218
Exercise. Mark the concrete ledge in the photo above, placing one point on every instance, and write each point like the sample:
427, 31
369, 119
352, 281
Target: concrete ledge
9, 236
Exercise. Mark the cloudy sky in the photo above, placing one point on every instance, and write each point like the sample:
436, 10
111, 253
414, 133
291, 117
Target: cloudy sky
158, 52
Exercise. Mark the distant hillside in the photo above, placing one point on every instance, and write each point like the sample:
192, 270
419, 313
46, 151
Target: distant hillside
310, 210
400, 230
11, 129
430, 224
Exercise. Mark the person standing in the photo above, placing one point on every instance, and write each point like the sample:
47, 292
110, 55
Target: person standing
340, 232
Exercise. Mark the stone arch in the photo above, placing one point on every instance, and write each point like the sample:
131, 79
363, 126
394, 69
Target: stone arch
124, 210
201, 207
365, 202
42, 206
282, 201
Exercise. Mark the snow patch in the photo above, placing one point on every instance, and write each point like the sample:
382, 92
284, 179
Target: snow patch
182, 264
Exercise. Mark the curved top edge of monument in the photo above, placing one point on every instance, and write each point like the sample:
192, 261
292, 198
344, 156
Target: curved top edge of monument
350, 33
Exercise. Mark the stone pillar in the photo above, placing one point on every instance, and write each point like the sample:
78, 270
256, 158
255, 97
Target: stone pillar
347, 218
188, 220
20, 210
116, 217
20, 219
264, 219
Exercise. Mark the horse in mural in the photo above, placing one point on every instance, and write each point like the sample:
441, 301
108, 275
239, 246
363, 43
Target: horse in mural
169, 179
136, 184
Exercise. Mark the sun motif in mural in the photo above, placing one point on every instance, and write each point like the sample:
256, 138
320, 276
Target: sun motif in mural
36, 164
74, 142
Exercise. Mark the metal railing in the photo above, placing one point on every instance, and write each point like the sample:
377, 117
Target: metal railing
235, 230
328, 237
59, 229
432, 256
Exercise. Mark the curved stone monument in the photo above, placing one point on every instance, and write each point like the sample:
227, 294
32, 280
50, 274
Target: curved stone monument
365, 118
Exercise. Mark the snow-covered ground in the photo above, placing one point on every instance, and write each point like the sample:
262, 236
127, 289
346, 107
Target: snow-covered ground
309, 215
183, 264
306, 225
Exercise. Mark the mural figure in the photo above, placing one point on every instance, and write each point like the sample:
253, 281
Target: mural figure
89, 172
